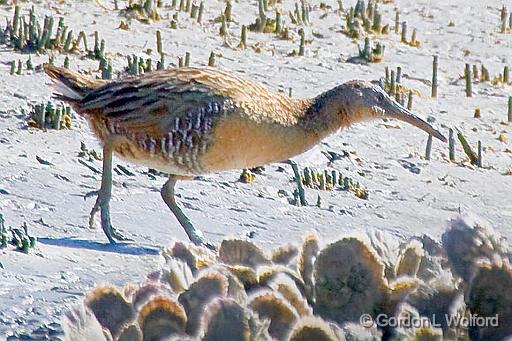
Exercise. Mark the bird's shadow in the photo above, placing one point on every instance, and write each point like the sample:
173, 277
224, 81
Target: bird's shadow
120, 248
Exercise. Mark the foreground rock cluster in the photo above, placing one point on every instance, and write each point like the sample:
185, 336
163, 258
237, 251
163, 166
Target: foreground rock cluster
314, 291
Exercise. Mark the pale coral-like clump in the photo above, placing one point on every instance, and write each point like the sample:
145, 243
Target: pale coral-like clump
409, 259
161, 317
310, 292
490, 295
80, 323
312, 328
241, 252
274, 307
349, 280
226, 319
424, 331
469, 241
111, 308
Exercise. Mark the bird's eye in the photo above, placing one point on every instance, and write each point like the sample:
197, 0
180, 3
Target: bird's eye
380, 97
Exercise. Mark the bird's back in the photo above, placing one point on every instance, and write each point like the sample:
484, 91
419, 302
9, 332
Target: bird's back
181, 89
188, 120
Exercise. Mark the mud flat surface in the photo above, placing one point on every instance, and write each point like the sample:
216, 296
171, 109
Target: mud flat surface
408, 195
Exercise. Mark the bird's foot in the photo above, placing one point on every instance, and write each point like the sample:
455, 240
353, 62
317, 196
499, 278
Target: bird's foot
204, 243
91, 194
197, 237
210, 246
117, 235
113, 234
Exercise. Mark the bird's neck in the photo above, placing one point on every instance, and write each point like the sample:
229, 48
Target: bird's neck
307, 122
326, 114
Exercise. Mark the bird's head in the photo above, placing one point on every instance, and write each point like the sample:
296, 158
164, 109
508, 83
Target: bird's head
361, 100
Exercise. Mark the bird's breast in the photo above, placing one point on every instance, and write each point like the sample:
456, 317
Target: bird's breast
240, 142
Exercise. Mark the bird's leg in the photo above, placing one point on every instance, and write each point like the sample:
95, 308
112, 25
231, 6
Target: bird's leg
103, 200
195, 235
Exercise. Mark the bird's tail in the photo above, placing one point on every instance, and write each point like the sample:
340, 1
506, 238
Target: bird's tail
70, 86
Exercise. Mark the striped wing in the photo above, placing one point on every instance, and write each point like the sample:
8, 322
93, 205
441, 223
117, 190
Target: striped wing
156, 104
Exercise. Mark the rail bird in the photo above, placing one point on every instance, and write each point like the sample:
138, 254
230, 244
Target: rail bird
198, 120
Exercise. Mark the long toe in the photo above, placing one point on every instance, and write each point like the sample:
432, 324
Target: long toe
118, 235
199, 240
95, 209
210, 246
91, 194
108, 232
107, 228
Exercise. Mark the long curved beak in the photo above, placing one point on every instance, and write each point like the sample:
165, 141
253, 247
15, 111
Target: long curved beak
396, 110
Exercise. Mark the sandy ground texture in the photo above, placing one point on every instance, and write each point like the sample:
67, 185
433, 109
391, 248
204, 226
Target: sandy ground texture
408, 195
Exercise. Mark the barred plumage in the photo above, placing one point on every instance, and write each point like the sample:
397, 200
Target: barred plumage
191, 121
